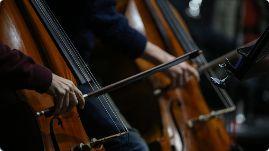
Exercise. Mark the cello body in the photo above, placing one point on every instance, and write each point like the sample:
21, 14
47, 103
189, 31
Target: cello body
181, 104
23, 30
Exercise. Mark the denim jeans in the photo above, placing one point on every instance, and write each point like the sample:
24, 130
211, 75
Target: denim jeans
101, 120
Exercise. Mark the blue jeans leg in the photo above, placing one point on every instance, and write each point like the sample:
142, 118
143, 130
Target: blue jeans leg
101, 120
130, 142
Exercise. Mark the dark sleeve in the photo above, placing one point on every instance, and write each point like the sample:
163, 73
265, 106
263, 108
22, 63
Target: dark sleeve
113, 27
19, 71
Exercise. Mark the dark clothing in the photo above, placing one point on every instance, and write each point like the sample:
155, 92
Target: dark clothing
100, 18
17, 71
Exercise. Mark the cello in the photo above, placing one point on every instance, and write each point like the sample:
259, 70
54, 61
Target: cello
186, 118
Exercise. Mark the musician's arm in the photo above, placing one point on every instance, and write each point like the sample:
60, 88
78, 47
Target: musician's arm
182, 72
18, 71
113, 27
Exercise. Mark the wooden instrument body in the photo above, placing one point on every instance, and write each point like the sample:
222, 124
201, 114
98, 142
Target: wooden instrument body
32, 39
181, 104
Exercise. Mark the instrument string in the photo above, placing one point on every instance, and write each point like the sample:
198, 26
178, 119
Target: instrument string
190, 45
105, 96
76, 61
79, 62
84, 74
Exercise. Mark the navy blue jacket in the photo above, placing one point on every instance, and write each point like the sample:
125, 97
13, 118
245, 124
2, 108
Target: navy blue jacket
99, 17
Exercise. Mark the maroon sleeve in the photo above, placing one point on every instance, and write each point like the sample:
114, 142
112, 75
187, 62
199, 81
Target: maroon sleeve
19, 71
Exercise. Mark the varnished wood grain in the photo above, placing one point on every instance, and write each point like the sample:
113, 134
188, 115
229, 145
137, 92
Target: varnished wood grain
183, 103
33, 40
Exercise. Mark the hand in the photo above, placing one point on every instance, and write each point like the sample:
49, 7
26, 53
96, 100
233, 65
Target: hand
182, 73
66, 95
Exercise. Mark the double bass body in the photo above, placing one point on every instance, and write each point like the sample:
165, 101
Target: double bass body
27, 33
181, 104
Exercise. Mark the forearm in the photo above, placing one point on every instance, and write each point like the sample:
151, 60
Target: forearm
181, 72
19, 71
156, 54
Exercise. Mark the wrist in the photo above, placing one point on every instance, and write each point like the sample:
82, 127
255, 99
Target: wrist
168, 57
157, 53
41, 78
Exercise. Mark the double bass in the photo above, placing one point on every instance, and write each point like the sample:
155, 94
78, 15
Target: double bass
187, 122
29, 26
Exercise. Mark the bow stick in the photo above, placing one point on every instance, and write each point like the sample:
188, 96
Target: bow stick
129, 80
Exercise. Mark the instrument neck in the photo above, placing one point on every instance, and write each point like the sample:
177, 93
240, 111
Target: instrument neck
67, 48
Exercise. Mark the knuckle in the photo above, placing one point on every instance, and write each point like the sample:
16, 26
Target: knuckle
61, 92
70, 83
67, 89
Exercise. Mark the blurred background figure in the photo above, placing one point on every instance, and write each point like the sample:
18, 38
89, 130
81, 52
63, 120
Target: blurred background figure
218, 27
